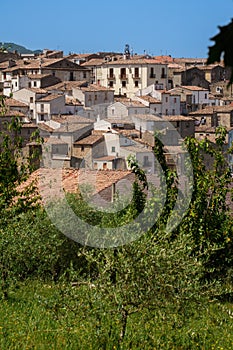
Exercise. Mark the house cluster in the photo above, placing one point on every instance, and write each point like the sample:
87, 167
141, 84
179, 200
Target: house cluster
94, 110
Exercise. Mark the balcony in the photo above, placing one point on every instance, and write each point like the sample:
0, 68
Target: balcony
136, 76
152, 76
111, 77
163, 76
123, 76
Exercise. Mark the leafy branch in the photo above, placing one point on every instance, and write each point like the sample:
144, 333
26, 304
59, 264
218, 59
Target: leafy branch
223, 47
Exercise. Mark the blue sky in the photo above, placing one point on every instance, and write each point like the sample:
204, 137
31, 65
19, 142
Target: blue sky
180, 28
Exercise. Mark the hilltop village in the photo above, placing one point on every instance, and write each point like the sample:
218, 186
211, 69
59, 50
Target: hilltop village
94, 110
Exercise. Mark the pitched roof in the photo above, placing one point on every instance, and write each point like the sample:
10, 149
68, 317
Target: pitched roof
93, 87
37, 90
212, 109
54, 141
71, 180
45, 127
90, 140
38, 76
194, 88
11, 102
10, 113
150, 99
172, 118
64, 118
71, 127
93, 62
148, 117
67, 85
135, 61
49, 98
128, 102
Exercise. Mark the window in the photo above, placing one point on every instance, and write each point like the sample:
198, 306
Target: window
89, 97
82, 148
95, 97
42, 117
34, 83
166, 111
136, 72
163, 75
113, 111
136, 83
113, 149
105, 96
84, 75
205, 96
42, 107
124, 84
71, 76
152, 74
31, 99
16, 84
177, 124
29, 84
123, 73
146, 161
111, 75
111, 83
166, 99
174, 99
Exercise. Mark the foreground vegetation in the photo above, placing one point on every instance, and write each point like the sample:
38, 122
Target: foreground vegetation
58, 316
164, 290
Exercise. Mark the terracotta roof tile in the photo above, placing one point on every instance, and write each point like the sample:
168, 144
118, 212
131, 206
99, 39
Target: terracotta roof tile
93, 87
90, 140
48, 98
194, 88
11, 102
150, 99
71, 180
67, 85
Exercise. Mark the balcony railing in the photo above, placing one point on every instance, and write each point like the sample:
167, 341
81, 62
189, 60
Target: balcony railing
136, 76
111, 77
123, 76
152, 76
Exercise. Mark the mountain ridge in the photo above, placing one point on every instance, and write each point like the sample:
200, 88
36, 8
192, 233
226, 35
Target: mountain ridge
12, 47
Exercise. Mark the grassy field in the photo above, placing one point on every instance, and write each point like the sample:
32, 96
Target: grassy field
59, 316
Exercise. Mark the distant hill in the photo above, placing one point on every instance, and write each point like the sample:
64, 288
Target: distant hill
11, 47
